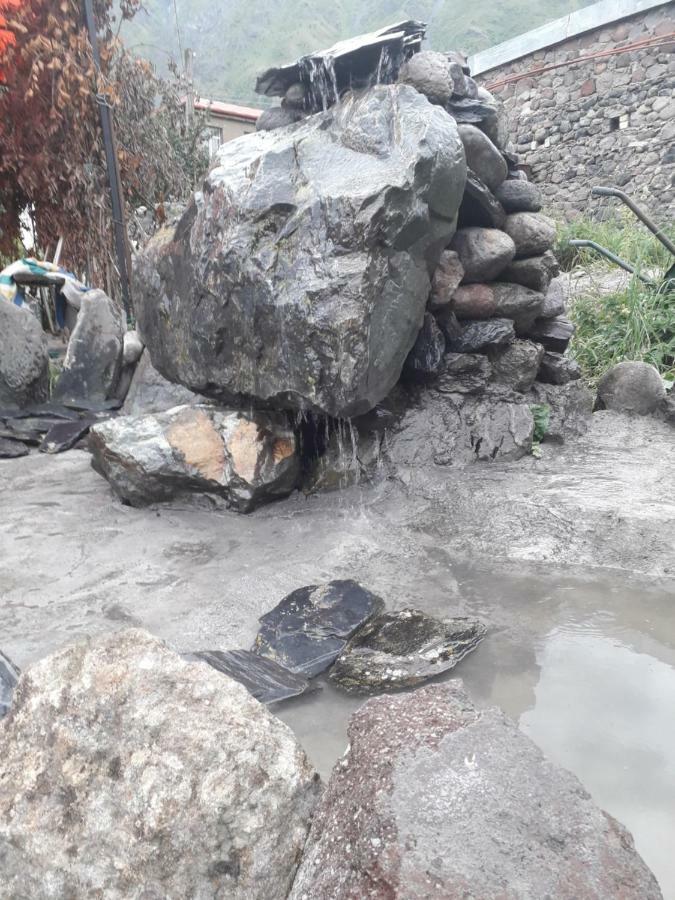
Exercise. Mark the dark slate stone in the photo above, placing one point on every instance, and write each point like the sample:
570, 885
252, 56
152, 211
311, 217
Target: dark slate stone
9, 675
479, 205
263, 678
12, 431
52, 411
403, 649
554, 334
11, 449
94, 406
558, 369
65, 435
310, 627
93, 362
426, 356
477, 337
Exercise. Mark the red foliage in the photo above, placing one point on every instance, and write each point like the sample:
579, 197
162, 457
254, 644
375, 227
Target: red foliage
51, 156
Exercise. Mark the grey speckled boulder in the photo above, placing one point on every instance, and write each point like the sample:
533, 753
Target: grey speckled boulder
300, 275
24, 362
534, 272
434, 75
482, 157
129, 773
516, 195
483, 252
437, 799
631, 387
532, 233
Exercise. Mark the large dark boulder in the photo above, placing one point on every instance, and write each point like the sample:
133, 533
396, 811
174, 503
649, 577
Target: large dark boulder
299, 276
93, 362
435, 798
24, 361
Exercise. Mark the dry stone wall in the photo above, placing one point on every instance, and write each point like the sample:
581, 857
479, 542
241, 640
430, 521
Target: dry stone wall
603, 120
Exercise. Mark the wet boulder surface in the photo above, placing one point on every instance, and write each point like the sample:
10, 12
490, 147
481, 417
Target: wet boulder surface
299, 276
310, 627
404, 649
435, 798
247, 459
129, 773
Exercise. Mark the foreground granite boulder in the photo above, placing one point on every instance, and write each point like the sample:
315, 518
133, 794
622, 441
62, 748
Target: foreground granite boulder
93, 363
437, 799
24, 361
130, 773
300, 275
248, 459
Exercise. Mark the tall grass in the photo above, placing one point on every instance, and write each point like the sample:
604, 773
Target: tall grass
624, 235
633, 323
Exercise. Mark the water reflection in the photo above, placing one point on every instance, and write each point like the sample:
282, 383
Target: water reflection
605, 712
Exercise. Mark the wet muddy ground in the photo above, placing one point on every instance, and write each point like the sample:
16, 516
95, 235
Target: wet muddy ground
569, 560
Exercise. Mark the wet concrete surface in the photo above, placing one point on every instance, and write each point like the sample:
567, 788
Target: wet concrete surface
570, 560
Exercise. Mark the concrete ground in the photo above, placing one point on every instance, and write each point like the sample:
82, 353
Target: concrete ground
74, 561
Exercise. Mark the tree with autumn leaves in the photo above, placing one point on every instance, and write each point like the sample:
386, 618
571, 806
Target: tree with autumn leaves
52, 162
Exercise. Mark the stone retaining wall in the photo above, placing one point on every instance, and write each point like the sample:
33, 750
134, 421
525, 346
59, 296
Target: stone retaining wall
608, 121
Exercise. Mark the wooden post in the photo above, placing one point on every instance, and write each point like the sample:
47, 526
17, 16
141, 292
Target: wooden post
189, 89
112, 165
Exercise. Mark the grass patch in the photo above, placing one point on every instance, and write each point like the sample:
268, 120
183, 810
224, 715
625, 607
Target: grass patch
624, 235
636, 324
633, 323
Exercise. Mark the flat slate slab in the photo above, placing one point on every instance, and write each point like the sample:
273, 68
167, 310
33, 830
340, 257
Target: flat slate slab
403, 649
263, 678
9, 675
311, 626
11, 449
64, 435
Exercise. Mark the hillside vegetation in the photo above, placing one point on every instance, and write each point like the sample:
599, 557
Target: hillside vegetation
234, 40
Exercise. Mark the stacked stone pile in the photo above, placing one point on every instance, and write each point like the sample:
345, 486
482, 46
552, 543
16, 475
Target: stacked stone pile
370, 286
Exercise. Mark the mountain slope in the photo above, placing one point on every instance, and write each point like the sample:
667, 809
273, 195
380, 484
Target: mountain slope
234, 40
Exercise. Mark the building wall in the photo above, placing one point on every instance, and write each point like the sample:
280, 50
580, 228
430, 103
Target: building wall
607, 121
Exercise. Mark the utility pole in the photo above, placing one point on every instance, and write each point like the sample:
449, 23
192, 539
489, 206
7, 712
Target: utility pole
189, 90
116, 200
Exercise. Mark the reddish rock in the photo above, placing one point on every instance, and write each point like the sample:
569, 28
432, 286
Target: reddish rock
447, 278
437, 799
588, 88
474, 301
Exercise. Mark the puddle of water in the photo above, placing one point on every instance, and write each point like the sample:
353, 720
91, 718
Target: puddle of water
586, 666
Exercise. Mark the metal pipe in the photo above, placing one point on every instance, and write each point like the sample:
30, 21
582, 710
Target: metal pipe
612, 257
640, 213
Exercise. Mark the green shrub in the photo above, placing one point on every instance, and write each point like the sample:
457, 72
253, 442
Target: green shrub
637, 323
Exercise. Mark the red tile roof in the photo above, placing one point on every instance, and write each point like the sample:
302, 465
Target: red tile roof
228, 110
